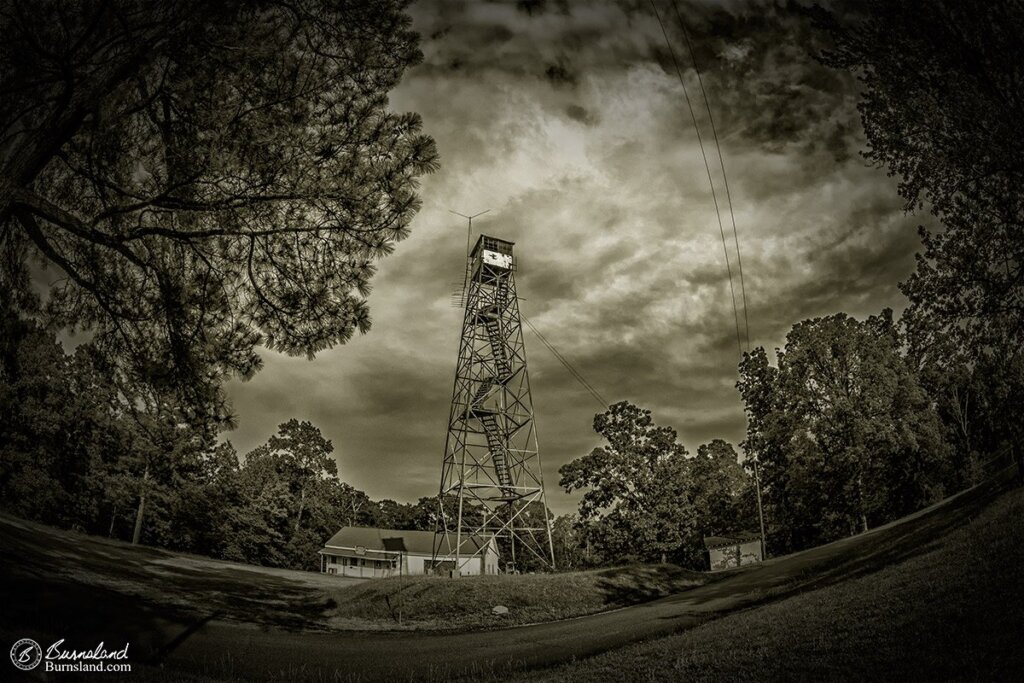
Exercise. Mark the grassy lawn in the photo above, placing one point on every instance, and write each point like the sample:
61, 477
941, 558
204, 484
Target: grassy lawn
45, 571
936, 596
953, 612
439, 603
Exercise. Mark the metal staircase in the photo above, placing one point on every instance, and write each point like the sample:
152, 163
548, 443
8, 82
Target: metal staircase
496, 446
498, 351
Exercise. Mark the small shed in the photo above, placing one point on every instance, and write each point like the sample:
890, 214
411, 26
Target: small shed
372, 553
734, 550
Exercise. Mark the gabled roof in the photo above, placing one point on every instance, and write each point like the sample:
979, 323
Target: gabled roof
712, 542
396, 540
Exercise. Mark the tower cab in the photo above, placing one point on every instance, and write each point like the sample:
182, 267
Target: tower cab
491, 257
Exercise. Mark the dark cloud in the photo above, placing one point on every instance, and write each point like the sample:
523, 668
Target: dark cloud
560, 75
581, 114
531, 6
595, 172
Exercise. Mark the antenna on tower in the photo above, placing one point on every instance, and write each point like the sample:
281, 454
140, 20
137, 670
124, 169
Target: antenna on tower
459, 297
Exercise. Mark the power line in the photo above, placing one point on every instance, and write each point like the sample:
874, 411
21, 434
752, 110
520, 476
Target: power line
721, 161
576, 374
568, 366
707, 167
732, 215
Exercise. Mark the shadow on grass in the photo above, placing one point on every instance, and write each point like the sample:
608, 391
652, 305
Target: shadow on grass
635, 584
56, 584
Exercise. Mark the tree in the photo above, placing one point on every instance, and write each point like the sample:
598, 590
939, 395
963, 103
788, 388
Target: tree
392, 515
637, 488
721, 490
846, 436
207, 177
205, 487
941, 108
54, 425
569, 541
311, 454
978, 391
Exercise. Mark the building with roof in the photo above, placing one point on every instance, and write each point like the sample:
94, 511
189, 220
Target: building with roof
734, 550
371, 553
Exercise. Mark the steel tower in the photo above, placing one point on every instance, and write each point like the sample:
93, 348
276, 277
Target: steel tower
491, 481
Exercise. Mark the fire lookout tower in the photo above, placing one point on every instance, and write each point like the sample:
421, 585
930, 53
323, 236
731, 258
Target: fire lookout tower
491, 480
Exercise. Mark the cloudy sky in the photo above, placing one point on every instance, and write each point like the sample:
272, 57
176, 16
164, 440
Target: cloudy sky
568, 122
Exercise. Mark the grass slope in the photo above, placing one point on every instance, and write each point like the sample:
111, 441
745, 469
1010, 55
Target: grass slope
438, 603
51, 579
954, 612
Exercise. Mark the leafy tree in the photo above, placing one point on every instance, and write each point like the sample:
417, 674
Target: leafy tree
309, 455
207, 177
721, 490
86, 446
846, 436
204, 487
82, 440
354, 507
941, 110
569, 539
50, 431
392, 515
637, 489
261, 523
978, 392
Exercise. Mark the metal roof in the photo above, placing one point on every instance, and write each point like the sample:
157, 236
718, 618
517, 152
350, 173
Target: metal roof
396, 540
713, 542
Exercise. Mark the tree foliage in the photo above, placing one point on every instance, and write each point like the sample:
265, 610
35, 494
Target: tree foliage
206, 177
722, 490
80, 448
636, 487
941, 108
646, 499
846, 436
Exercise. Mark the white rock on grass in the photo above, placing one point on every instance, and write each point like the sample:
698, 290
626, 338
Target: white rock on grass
499, 610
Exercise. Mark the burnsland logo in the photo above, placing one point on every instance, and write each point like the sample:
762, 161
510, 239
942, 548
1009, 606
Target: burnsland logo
26, 654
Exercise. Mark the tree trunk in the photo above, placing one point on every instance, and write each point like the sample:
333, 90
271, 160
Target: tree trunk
860, 502
113, 518
760, 508
142, 508
302, 504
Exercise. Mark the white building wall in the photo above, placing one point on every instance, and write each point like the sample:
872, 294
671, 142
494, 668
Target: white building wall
737, 555
414, 565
